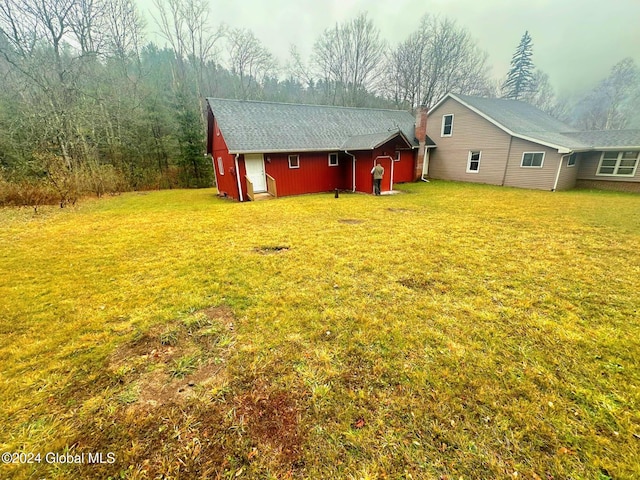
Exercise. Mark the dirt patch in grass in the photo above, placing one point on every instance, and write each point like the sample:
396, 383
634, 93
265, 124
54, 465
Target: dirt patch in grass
194, 425
160, 388
222, 314
167, 400
169, 441
271, 249
398, 210
167, 363
351, 221
148, 346
417, 283
273, 419
425, 284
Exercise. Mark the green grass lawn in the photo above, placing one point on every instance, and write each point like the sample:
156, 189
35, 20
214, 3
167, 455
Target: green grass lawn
455, 331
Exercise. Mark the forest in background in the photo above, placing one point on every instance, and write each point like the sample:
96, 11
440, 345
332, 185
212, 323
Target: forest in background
90, 105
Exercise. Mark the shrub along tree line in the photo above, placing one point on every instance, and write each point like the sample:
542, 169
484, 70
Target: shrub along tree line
89, 106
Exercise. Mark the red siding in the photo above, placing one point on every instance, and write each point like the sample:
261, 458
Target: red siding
364, 179
226, 179
404, 169
314, 175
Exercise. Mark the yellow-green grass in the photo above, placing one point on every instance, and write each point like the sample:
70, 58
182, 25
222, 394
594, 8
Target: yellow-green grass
454, 331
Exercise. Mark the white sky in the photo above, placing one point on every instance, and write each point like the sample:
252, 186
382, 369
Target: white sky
576, 42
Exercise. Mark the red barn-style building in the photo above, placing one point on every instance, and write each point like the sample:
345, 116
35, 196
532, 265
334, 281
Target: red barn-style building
281, 149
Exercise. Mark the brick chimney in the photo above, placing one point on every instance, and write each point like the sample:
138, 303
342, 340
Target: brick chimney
421, 136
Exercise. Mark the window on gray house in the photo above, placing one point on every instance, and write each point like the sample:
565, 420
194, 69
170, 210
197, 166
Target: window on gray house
618, 164
473, 163
532, 159
447, 125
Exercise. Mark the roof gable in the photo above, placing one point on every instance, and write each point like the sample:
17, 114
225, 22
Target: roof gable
259, 127
521, 120
373, 140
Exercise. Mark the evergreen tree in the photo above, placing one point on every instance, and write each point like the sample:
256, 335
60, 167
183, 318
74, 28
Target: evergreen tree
520, 80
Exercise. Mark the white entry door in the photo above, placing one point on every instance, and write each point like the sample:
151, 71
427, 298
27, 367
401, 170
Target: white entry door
254, 162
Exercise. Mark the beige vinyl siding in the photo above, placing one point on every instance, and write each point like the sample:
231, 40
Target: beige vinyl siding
531, 177
588, 167
470, 132
568, 174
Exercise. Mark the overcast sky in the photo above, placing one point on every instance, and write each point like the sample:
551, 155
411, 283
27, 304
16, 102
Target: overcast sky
576, 42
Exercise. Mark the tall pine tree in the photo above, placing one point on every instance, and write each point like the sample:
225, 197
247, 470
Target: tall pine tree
520, 80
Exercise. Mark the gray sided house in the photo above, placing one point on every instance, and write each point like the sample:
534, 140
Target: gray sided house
507, 142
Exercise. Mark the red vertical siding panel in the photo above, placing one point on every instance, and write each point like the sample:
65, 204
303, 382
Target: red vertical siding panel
227, 184
242, 173
403, 169
313, 176
364, 179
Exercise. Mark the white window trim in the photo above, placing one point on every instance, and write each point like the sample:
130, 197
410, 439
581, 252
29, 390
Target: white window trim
220, 166
397, 156
575, 160
617, 166
329, 157
297, 157
479, 152
532, 166
442, 134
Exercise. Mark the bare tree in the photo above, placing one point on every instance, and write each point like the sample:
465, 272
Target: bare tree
297, 68
438, 58
37, 34
250, 61
185, 25
405, 71
611, 104
88, 25
18, 30
348, 59
540, 93
125, 26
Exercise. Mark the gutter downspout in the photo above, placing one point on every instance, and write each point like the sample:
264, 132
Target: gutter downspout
354, 169
238, 178
555, 185
393, 160
425, 165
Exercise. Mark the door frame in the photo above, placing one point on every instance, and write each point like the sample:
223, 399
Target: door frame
256, 157
387, 180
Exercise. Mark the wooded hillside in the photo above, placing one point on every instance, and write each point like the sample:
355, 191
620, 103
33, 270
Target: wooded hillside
90, 106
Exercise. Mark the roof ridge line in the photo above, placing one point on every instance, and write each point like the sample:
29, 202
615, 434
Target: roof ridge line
237, 100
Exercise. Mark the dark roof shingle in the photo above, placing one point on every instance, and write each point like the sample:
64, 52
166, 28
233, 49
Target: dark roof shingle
260, 127
598, 139
526, 121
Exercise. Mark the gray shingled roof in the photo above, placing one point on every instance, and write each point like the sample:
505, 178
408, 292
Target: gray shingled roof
370, 141
249, 126
525, 120
599, 139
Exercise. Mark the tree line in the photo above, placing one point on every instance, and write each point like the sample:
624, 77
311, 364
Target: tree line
90, 105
